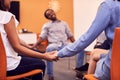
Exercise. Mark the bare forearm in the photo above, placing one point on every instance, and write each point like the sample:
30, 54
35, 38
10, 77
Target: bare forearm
25, 44
28, 52
37, 43
72, 39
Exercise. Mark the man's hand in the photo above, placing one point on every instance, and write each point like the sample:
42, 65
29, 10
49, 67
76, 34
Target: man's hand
51, 56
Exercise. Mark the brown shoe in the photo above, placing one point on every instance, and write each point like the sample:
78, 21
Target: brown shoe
50, 78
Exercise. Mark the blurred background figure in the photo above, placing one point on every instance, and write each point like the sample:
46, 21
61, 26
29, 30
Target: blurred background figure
57, 33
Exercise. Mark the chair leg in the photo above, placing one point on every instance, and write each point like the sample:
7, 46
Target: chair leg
68, 63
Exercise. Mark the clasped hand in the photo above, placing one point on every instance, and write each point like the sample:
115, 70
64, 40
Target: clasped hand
51, 56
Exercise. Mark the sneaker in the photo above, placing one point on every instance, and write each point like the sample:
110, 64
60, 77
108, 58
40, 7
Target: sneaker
83, 68
50, 78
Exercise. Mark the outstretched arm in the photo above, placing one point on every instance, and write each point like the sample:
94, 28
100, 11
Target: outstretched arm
72, 39
14, 40
25, 44
37, 43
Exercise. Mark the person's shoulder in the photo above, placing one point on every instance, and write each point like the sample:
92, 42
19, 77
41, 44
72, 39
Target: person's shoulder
109, 3
5, 16
3, 13
46, 24
64, 22
104, 3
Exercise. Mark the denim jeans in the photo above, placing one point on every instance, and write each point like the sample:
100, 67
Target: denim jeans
80, 59
52, 47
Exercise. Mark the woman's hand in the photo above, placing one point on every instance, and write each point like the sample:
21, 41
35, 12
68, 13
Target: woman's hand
51, 56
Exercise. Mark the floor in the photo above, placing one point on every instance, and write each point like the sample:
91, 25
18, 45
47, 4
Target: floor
63, 69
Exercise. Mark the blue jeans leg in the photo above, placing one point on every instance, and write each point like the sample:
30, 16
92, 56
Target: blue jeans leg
50, 48
49, 68
80, 59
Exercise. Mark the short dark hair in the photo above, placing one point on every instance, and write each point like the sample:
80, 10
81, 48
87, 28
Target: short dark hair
45, 13
2, 6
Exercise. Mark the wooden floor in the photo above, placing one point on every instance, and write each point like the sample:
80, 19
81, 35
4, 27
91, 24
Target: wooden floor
63, 69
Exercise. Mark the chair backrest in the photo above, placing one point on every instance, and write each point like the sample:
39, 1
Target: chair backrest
115, 58
3, 63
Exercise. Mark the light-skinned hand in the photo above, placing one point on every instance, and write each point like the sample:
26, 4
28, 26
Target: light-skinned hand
51, 56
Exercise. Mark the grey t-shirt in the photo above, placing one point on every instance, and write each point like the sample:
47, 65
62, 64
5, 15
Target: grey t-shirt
56, 32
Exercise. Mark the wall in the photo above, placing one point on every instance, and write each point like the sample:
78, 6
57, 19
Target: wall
32, 18
84, 13
78, 13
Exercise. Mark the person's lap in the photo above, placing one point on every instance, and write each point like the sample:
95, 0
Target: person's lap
102, 70
27, 64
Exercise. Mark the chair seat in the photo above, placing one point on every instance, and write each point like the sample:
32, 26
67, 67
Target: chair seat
30, 73
89, 77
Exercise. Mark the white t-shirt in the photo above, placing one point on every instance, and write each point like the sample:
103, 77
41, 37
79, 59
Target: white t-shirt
13, 59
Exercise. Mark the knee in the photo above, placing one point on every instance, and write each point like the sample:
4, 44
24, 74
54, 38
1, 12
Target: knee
51, 48
94, 57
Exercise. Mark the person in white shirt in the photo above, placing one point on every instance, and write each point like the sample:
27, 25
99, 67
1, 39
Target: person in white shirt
13, 45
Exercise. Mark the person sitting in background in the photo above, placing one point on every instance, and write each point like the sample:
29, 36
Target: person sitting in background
14, 46
100, 47
101, 43
57, 33
94, 58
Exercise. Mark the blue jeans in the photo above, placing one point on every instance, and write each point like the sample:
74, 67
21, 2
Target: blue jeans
80, 59
52, 47
28, 64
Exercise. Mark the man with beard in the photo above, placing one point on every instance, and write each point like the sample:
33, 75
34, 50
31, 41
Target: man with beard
57, 33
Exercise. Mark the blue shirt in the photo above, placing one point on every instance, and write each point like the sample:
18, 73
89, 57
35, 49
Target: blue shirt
107, 18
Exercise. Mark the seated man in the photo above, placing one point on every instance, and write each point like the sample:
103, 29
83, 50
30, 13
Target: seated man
57, 33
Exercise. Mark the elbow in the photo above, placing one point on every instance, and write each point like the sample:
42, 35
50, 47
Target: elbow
16, 47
